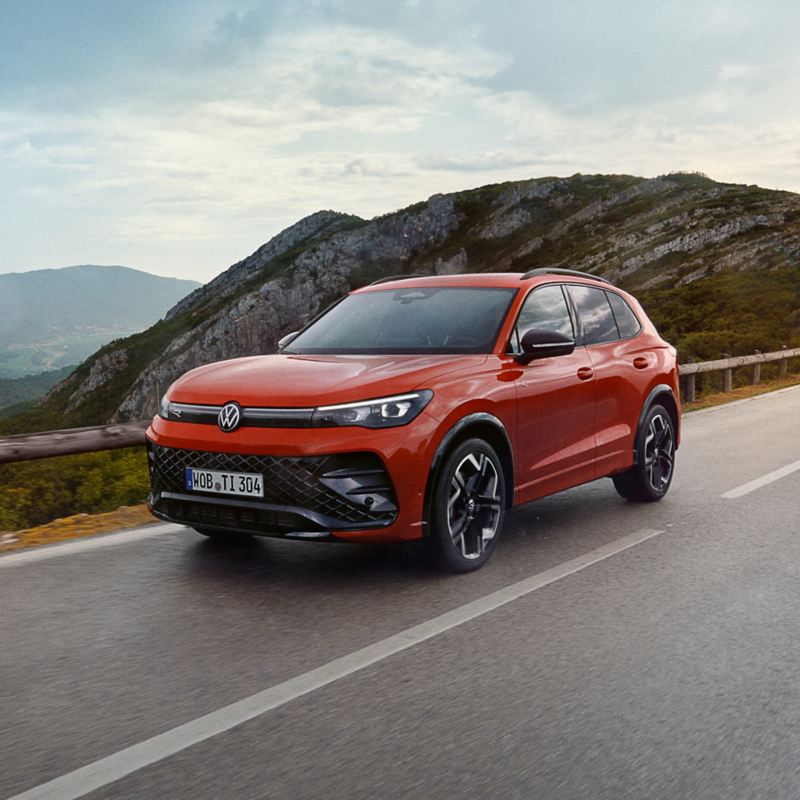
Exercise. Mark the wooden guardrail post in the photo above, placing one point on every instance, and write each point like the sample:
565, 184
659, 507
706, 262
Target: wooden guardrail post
757, 370
727, 376
727, 380
784, 364
689, 383
691, 388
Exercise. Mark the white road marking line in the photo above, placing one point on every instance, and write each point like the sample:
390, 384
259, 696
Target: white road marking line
118, 765
74, 546
770, 477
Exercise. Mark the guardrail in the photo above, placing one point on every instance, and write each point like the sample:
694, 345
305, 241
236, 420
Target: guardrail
727, 365
30, 446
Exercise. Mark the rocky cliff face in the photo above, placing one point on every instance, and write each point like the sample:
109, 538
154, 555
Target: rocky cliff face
668, 231
710, 226
255, 321
231, 282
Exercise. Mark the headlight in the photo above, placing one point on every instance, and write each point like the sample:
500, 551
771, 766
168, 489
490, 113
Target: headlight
384, 412
163, 410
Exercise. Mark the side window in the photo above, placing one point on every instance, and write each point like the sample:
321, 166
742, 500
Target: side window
595, 314
627, 322
545, 309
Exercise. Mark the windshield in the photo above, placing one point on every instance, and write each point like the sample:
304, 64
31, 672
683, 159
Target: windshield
409, 321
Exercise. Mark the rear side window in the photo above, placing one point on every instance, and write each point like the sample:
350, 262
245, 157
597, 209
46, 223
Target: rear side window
545, 309
627, 322
595, 313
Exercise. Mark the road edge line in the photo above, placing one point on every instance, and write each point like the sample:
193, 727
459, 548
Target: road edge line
84, 544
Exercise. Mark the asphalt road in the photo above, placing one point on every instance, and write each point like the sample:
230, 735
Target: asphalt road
608, 650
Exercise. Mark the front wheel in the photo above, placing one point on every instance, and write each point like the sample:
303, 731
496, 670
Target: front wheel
649, 479
467, 507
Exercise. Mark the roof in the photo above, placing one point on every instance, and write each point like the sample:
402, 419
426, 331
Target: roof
513, 280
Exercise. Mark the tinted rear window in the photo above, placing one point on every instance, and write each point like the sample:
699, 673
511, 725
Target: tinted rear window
453, 319
595, 314
629, 326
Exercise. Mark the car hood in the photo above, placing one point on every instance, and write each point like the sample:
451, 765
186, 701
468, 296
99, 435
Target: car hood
302, 381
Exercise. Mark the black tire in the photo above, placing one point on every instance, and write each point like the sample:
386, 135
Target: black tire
649, 480
223, 536
468, 503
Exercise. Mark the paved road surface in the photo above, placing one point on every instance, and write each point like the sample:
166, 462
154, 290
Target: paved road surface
640, 651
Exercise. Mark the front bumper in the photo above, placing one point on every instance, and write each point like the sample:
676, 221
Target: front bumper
344, 483
309, 496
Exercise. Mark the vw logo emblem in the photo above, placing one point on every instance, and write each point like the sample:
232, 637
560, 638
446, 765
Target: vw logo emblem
230, 416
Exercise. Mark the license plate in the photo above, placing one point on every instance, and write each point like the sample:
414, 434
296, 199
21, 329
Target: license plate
243, 484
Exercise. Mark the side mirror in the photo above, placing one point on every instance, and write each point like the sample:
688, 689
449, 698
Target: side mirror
537, 343
288, 339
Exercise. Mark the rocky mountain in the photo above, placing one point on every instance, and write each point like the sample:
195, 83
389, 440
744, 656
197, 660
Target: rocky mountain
50, 318
707, 259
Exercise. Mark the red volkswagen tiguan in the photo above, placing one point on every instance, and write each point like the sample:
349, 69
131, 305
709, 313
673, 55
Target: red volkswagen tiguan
423, 408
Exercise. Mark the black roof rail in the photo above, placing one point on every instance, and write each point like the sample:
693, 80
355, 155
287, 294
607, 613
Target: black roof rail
559, 271
389, 278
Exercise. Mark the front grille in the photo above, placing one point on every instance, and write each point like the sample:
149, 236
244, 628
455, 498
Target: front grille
349, 488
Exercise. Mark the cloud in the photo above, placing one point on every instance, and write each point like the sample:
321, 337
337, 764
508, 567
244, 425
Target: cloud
491, 162
235, 31
261, 113
229, 145
737, 72
387, 166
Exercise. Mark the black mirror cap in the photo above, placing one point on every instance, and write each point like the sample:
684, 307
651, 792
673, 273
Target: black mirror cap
538, 343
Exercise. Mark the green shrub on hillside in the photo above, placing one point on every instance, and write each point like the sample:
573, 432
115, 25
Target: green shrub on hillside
35, 492
734, 313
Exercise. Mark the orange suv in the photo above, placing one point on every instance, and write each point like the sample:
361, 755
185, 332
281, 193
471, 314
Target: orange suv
423, 408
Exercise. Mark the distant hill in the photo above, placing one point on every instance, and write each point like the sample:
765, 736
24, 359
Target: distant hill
19, 390
716, 266
50, 318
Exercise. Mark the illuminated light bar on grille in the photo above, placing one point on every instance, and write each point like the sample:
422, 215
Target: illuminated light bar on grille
251, 417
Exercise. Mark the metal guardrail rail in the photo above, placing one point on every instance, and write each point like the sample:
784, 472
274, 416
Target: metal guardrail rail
30, 446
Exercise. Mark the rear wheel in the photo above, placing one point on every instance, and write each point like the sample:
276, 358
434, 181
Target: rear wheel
650, 478
467, 507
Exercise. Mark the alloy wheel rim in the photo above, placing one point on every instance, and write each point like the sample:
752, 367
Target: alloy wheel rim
473, 505
659, 453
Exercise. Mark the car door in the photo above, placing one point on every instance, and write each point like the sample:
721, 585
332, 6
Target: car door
622, 369
555, 404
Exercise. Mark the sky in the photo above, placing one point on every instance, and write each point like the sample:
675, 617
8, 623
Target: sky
177, 136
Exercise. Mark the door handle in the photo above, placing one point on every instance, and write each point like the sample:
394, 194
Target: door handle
640, 362
585, 373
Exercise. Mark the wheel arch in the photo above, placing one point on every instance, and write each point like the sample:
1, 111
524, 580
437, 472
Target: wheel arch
481, 425
663, 394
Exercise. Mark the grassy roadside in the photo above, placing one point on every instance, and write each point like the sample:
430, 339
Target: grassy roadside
76, 526
79, 525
